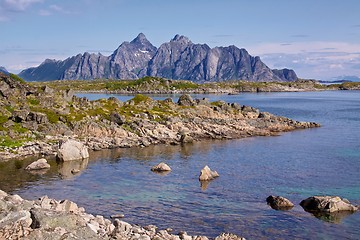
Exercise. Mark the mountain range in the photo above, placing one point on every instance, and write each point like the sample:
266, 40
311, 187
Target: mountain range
177, 59
3, 70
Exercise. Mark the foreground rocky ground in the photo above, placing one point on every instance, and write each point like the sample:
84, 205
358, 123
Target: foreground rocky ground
47, 218
33, 120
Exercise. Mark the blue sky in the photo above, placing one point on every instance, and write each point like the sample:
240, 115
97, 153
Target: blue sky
319, 39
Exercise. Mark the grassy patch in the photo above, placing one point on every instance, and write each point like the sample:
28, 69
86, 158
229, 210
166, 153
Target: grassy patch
183, 85
17, 78
7, 142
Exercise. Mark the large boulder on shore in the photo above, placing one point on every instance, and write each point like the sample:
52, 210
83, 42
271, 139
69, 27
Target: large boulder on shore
327, 204
206, 174
72, 150
279, 203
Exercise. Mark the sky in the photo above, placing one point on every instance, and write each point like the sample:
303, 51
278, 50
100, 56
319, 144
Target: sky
319, 39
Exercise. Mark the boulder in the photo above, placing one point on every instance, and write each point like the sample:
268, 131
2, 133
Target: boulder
327, 204
38, 165
37, 117
72, 150
161, 167
117, 118
206, 174
279, 203
229, 236
186, 100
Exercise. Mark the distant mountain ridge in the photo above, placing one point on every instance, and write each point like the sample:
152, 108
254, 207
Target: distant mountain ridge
3, 70
177, 59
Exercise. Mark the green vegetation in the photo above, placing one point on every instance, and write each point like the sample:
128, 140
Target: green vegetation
7, 142
17, 78
183, 85
154, 84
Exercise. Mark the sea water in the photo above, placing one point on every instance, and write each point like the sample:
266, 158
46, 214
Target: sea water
296, 165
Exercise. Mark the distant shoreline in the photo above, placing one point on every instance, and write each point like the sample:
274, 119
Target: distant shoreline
154, 85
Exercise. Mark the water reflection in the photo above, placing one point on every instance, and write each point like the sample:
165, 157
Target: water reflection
69, 169
14, 176
334, 217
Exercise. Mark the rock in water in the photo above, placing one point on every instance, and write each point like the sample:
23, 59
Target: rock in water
206, 174
161, 167
327, 204
279, 203
72, 150
38, 165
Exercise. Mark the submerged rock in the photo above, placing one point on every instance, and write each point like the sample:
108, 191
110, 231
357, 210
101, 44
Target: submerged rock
161, 167
38, 165
327, 204
279, 203
206, 174
72, 150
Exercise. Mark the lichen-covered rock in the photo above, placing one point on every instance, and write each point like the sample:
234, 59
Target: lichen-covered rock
229, 236
38, 165
206, 174
327, 204
72, 150
279, 203
186, 100
161, 167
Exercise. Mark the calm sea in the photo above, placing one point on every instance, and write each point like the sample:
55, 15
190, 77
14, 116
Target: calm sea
296, 165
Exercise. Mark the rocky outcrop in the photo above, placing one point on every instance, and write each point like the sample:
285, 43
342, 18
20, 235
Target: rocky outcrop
206, 174
161, 167
38, 165
229, 236
72, 150
327, 204
177, 59
35, 120
279, 203
47, 218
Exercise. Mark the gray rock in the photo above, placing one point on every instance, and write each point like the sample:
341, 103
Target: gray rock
186, 100
117, 118
279, 203
161, 167
327, 204
229, 236
206, 174
38, 165
72, 150
39, 118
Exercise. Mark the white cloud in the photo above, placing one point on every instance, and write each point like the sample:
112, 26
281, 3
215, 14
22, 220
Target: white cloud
52, 9
299, 47
319, 60
44, 12
18, 5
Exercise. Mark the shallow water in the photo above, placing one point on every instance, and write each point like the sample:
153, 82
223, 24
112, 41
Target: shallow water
296, 165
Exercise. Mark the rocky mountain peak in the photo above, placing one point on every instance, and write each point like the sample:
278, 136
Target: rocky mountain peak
3, 70
141, 38
181, 39
177, 59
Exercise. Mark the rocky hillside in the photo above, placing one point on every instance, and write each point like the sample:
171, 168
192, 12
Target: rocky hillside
177, 59
34, 119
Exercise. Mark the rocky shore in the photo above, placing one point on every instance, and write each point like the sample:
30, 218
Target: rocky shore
33, 120
47, 218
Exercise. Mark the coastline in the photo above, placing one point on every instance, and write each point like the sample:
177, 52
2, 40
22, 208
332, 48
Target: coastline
47, 218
